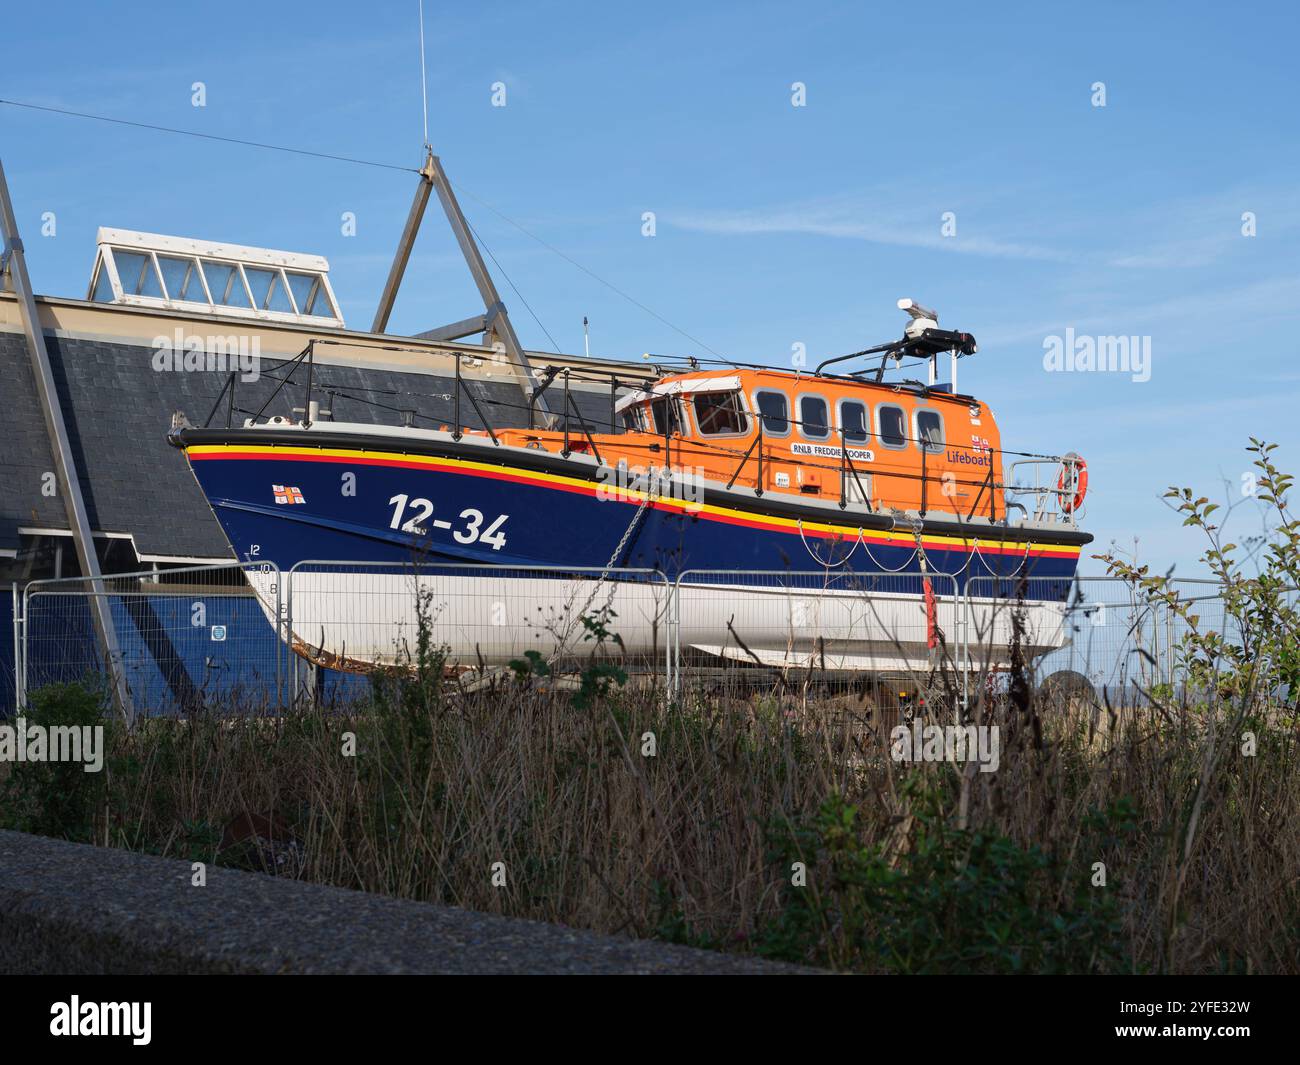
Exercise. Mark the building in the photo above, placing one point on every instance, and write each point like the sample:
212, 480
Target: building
171, 327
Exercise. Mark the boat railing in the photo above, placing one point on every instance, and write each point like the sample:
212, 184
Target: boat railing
573, 421
1043, 501
1050, 498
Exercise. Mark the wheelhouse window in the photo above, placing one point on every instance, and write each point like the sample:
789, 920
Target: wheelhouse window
853, 421
929, 430
632, 419
720, 414
774, 410
814, 417
667, 415
893, 427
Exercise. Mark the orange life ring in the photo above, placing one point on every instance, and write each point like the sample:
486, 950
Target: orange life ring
1078, 481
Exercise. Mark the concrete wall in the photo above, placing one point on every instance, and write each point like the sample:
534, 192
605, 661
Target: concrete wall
71, 908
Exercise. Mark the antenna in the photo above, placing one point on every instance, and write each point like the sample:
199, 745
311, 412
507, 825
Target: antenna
586, 338
424, 82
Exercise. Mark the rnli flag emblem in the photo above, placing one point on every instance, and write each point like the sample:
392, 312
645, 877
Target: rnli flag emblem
287, 494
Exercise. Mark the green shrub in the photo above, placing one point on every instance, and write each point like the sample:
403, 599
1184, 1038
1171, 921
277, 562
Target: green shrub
938, 899
58, 798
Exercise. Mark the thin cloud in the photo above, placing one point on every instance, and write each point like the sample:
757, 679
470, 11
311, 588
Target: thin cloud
833, 223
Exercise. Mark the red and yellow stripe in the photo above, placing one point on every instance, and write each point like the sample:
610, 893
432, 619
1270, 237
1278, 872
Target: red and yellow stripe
582, 486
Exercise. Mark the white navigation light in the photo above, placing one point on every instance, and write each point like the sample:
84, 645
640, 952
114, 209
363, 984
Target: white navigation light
922, 318
152, 270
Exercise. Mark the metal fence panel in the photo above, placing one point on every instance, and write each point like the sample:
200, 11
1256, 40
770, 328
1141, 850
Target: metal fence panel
1101, 630
189, 637
217, 635
353, 616
828, 620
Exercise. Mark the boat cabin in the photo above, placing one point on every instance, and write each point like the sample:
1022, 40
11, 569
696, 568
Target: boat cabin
875, 446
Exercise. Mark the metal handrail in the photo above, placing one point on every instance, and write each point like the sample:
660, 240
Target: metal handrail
758, 442
582, 422
456, 434
846, 465
307, 353
1045, 493
229, 386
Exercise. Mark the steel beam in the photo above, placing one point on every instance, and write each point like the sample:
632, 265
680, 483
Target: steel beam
456, 330
498, 320
495, 323
404, 246
64, 462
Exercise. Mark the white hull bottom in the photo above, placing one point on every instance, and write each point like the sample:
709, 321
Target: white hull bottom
359, 620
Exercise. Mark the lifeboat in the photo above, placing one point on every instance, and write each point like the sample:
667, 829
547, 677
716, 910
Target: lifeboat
857, 488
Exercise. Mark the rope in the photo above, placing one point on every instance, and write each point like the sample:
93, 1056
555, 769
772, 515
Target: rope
885, 568
208, 136
527, 306
828, 565
1013, 573
938, 572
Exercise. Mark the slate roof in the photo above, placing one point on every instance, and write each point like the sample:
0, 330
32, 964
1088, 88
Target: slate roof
118, 409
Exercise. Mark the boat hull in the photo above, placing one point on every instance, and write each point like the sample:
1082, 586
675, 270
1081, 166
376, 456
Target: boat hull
393, 523
356, 619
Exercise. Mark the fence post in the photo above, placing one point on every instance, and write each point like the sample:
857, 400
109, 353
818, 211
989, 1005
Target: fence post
20, 670
675, 636
288, 635
279, 644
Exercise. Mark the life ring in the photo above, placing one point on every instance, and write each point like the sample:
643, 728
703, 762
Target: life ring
1074, 475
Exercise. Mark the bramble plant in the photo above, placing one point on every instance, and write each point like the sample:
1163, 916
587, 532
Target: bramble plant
1261, 656
935, 898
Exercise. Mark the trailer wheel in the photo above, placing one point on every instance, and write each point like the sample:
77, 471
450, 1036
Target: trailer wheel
1067, 688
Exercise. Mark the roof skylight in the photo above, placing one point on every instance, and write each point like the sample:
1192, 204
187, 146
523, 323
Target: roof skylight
151, 270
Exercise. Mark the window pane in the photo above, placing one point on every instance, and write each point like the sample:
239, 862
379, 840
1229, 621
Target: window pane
320, 301
181, 276
814, 417
892, 426
136, 273
301, 285
279, 300
103, 287
719, 412
661, 409
262, 284
224, 284
774, 412
930, 429
853, 418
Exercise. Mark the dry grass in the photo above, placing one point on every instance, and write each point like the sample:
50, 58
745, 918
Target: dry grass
1201, 868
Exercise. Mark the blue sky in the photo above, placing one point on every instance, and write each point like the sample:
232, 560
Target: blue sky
775, 225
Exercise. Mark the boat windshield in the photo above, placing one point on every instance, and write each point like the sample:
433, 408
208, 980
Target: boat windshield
720, 413
667, 415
